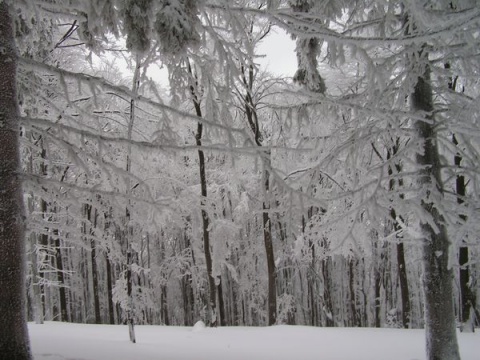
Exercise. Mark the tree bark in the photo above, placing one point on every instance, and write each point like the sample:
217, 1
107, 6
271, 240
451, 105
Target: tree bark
14, 341
93, 256
60, 277
401, 268
441, 334
212, 320
111, 312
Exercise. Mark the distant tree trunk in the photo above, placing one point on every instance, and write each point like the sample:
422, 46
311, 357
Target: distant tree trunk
404, 292
14, 341
327, 291
353, 299
440, 320
187, 286
111, 312
378, 275
130, 317
268, 242
221, 303
93, 256
108, 268
37, 291
60, 278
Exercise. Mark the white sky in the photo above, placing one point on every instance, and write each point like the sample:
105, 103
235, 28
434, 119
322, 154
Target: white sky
279, 57
279, 49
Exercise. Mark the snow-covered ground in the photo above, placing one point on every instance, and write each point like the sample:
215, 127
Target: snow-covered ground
61, 341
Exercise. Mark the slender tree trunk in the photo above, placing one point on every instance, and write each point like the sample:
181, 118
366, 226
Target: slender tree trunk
404, 292
111, 312
252, 119
37, 291
108, 268
441, 334
271, 270
327, 291
93, 256
14, 341
130, 318
128, 230
402, 270
60, 277
353, 299
221, 303
212, 304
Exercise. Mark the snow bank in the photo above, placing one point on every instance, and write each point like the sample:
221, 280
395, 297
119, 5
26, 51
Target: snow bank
60, 341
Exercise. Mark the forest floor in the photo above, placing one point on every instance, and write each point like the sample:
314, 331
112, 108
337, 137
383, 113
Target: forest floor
62, 341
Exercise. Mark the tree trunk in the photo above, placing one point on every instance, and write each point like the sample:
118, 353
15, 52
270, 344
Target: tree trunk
327, 291
221, 303
60, 277
130, 318
441, 334
111, 312
271, 271
252, 119
404, 292
402, 270
127, 228
14, 341
354, 321
93, 255
212, 305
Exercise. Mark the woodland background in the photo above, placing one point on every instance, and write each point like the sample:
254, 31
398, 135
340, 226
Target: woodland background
236, 197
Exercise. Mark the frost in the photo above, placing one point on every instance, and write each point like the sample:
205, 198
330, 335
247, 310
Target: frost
137, 17
176, 25
199, 326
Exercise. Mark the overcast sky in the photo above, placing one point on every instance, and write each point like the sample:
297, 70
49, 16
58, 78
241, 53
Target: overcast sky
279, 51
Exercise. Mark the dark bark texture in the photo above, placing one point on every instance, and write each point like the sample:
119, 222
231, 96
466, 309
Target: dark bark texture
439, 310
14, 342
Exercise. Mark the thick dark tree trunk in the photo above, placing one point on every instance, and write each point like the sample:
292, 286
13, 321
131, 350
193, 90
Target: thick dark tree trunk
440, 320
14, 342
